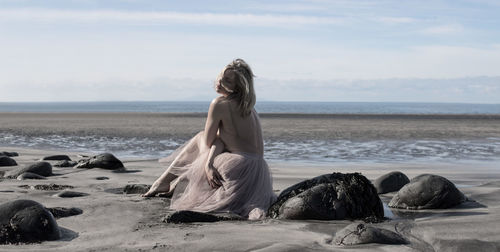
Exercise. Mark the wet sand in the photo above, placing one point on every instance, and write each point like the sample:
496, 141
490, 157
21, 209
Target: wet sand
275, 126
112, 221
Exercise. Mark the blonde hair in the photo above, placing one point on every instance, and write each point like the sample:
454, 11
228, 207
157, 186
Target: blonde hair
243, 92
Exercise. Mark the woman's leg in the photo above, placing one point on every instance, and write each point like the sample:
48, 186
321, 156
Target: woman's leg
162, 184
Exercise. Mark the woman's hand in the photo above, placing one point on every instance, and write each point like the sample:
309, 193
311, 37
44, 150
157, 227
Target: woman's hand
213, 176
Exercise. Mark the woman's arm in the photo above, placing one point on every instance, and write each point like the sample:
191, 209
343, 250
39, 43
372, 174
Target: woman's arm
213, 176
214, 118
211, 140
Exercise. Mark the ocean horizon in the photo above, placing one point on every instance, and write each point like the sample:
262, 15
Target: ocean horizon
286, 107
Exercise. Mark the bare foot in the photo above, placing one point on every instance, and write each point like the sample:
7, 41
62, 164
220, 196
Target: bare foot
156, 188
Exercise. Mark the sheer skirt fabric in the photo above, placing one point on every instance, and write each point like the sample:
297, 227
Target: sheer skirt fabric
246, 189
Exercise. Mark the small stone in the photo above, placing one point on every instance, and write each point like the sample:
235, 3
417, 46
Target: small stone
41, 168
136, 189
7, 161
57, 157
358, 233
8, 154
186, 216
65, 163
390, 182
70, 194
29, 175
61, 212
102, 178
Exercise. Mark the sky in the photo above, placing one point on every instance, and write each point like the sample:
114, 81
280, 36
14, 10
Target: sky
299, 50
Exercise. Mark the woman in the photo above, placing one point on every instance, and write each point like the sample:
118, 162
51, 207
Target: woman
222, 168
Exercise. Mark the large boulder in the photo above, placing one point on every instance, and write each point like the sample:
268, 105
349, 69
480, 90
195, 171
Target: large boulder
104, 161
427, 191
390, 182
358, 233
41, 168
57, 157
7, 161
333, 196
26, 221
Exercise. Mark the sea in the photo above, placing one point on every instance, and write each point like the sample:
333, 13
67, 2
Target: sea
261, 107
308, 151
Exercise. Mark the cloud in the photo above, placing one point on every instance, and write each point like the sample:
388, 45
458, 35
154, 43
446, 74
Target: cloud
446, 29
395, 20
164, 17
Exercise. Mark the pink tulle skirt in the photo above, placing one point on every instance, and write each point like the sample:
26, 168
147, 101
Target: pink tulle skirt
246, 189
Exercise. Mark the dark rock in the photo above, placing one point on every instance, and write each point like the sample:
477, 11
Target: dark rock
8, 154
390, 182
49, 187
57, 157
358, 233
101, 178
329, 197
70, 194
7, 161
136, 189
427, 191
29, 175
41, 168
61, 212
104, 161
192, 216
26, 221
65, 163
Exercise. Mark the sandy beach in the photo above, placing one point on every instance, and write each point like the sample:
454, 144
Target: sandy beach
113, 221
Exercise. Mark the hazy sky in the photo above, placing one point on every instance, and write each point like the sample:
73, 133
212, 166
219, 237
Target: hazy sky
338, 50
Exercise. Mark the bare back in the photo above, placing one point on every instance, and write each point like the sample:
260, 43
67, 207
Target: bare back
240, 134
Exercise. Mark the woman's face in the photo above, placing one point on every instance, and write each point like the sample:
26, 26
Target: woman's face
225, 83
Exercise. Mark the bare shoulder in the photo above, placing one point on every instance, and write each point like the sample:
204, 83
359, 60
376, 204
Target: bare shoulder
220, 100
219, 103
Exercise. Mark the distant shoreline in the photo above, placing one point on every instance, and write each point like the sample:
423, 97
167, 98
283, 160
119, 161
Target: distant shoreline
274, 115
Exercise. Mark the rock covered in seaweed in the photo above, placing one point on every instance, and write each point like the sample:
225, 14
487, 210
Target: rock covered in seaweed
358, 233
427, 191
26, 221
390, 182
105, 161
7, 161
329, 197
41, 168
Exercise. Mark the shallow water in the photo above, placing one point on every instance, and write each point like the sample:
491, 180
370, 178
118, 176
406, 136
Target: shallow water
289, 150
